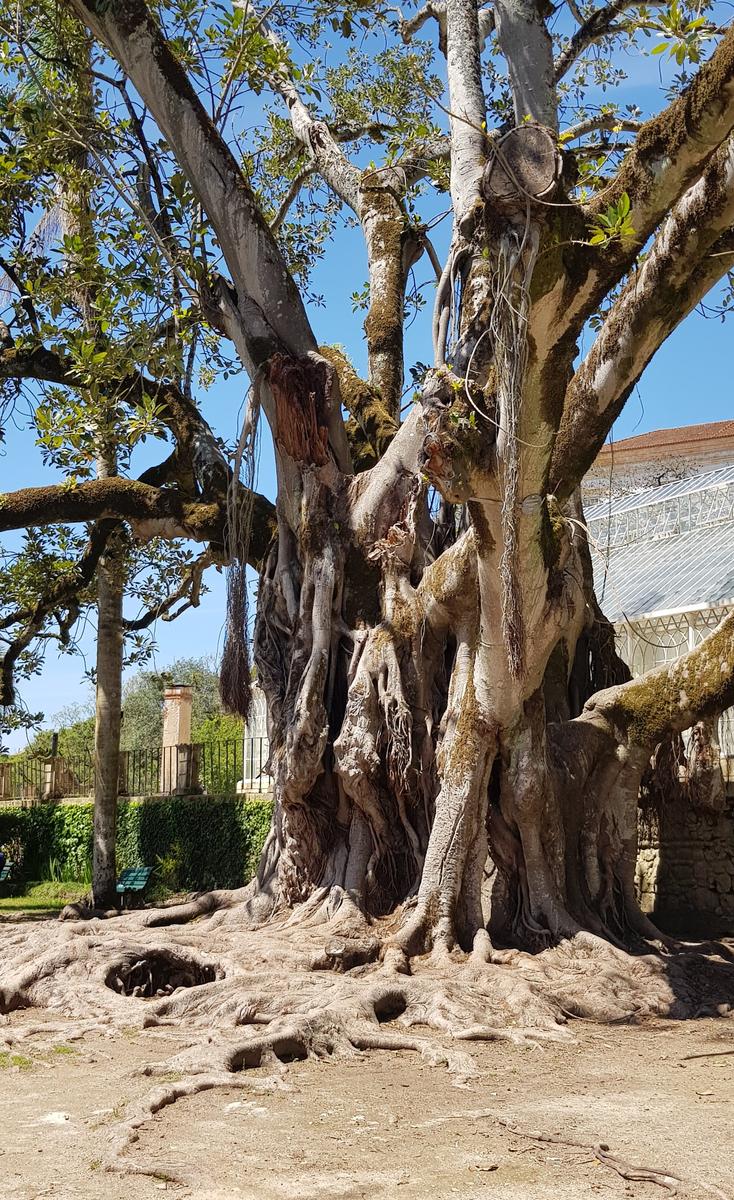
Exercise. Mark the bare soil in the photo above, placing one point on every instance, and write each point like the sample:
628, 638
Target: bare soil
378, 1125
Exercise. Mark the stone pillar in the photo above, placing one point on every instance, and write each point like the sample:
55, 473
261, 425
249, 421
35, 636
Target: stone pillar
176, 757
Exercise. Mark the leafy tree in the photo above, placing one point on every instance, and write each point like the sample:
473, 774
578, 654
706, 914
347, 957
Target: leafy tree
455, 743
143, 704
75, 729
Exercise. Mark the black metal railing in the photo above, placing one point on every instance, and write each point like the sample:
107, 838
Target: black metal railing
206, 768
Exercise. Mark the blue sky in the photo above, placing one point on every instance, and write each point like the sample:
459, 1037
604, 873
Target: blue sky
689, 381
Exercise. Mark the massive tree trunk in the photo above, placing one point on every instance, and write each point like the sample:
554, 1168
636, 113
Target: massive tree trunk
456, 750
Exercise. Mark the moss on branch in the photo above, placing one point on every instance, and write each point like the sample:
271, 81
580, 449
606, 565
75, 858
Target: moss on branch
170, 512
372, 426
674, 697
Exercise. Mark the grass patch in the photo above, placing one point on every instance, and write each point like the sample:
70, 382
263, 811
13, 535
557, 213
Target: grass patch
46, 897
14, 1060
62, 1049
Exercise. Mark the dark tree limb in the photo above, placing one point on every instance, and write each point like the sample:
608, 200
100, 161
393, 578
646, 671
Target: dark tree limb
188, 592
151, 511
599, 25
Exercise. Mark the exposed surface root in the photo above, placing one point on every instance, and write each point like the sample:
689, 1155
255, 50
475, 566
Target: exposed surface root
601, 1152
216, 973
304, 989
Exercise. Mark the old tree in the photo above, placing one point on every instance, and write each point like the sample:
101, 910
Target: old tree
457, 751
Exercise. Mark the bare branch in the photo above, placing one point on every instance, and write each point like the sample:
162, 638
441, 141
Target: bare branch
599, 25
189, 591
316, 138
602, 121
291, 195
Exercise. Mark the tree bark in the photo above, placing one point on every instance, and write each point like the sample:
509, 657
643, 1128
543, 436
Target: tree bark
456, 751
107, 715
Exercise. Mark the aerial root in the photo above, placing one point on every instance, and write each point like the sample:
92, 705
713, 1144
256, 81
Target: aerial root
287, 1040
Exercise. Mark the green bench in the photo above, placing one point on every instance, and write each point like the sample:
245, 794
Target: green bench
9, 879
133, 881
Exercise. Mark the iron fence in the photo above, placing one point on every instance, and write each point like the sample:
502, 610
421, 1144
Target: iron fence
207, 768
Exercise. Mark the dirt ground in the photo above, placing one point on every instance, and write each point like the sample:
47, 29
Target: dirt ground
382, 1125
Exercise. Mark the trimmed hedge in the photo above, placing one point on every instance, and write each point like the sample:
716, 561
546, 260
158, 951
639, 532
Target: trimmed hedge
195, 842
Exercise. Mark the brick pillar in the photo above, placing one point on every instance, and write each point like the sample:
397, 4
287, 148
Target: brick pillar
176, 744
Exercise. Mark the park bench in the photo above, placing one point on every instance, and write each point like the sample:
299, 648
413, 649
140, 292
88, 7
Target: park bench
133, 881
8, 879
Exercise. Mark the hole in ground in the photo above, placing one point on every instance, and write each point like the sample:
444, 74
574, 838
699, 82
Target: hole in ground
390, 1005
287, 1049
159, 973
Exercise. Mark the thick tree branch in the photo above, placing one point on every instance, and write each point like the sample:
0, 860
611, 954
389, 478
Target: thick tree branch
673, 147
151, 511
108, 498
467, 105
376, 199
670, 153
685, 261
433, 11
270, 306
674, 697
372, 426
526, 45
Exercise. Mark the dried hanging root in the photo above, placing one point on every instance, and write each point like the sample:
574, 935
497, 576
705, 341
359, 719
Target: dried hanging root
508, 329
234, 672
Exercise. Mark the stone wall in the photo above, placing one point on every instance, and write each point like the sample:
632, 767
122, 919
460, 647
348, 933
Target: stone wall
685, 868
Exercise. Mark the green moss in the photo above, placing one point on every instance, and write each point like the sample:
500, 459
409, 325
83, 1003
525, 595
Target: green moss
374, 426
663, 701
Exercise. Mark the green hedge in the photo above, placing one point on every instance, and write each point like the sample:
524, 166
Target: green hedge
194, 842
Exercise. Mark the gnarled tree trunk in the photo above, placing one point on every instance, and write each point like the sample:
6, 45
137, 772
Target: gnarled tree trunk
456, 750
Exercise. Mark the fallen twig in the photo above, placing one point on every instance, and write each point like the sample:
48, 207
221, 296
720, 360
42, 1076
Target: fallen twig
706, 1054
